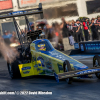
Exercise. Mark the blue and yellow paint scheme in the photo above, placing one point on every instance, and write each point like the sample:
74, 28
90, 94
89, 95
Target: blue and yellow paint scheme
46, 60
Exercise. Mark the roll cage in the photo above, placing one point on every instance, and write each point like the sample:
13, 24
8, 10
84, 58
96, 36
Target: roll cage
31, 34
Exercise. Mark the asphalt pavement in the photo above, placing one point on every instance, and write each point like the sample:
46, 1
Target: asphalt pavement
80, 89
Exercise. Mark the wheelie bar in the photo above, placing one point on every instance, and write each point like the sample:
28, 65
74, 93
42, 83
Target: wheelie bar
78, 73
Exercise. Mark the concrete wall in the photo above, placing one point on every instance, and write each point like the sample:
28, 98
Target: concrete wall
45, 6
81, 7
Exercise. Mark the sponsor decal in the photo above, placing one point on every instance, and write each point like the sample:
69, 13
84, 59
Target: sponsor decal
36, 65
34, 59
92, 46
84, 66
38, 69
26, 72
76, 45
25, 3
5, 4
49, 65
80, 66
42, 47
49, 72
26, 68
87, 71
41, 61
16, 13
59, 56
60, 67
82, 47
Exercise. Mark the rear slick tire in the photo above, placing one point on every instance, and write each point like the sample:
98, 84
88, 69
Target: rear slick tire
67, 68
13, 70
96, 63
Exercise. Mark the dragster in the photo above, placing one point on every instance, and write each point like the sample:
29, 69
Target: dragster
40, 58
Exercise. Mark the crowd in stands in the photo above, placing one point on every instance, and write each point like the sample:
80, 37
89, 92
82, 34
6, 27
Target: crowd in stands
75, 31
80, 30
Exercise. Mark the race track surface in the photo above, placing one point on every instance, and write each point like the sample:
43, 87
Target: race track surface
84, 89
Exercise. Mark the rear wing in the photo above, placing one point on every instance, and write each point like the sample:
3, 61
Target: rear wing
23, 13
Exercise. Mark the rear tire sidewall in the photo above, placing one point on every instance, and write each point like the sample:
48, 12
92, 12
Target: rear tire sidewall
96, 57
67, 68
14, 70
10, 70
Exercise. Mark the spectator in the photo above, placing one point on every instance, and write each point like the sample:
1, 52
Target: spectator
56, 34
88, 23
97, 24
74, 32
7, 35
64, 28
48, 32
86, 32
93, 30
58, 39
71, 40
79, 33
37, 28
70, 27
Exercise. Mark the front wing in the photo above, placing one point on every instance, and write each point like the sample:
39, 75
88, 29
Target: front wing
77, 73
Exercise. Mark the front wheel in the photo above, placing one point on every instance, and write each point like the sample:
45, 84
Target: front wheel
96, 63
67, 68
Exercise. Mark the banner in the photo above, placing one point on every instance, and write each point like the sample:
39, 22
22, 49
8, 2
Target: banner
5, 4
90, 46
26, 3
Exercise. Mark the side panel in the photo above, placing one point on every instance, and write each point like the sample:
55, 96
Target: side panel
45, 65
26, 69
